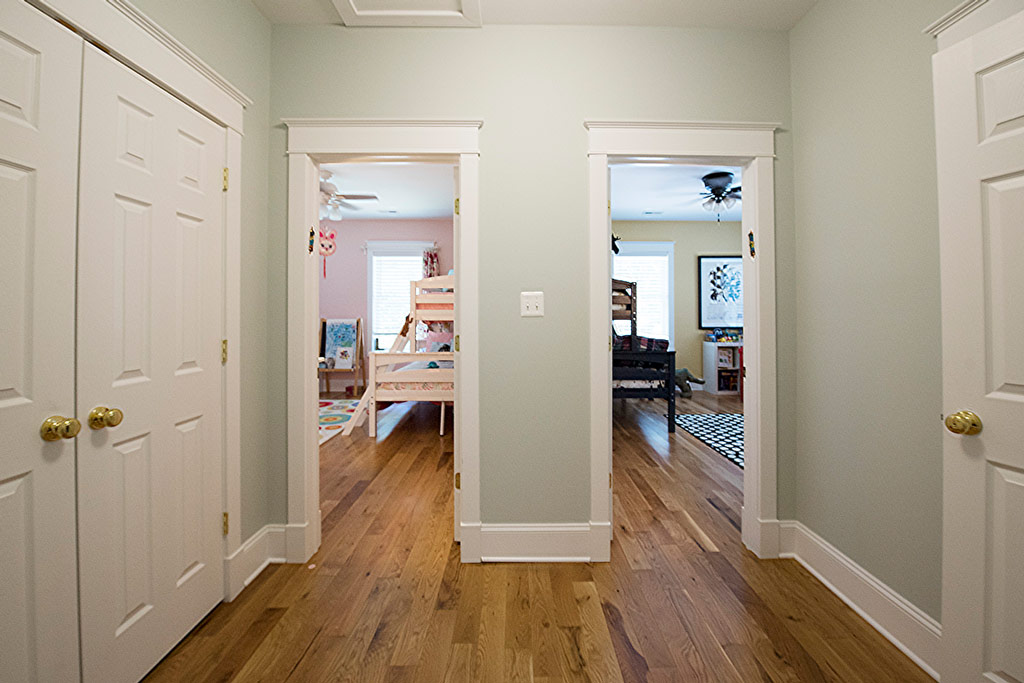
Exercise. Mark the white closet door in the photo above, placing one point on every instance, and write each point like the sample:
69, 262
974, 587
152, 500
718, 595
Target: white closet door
979, 109
40, 71
150, 311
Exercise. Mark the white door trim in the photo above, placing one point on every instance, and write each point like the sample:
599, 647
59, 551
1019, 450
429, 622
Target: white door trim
315, 141
138, 42
752, 146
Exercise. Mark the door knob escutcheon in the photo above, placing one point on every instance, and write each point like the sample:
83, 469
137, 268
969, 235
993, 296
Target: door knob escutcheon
964, 422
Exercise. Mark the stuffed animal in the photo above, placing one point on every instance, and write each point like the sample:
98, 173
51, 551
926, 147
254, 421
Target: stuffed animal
683, 379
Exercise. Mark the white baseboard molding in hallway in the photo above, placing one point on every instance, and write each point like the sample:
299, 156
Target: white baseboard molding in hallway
543, 542
266, 546
915, 633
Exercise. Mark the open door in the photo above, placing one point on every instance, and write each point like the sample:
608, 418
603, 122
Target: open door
456, 456
980, 144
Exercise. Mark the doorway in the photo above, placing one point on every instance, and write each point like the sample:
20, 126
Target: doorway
749, 148
317, 144
385, 228
677, 299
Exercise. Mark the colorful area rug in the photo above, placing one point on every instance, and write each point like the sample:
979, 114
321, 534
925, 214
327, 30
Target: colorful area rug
722, 432
334, 413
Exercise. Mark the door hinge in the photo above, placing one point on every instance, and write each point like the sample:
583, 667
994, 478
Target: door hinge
609, 207
225, 178
223, 351
456, 206
226, 526
609, 342
609, 480
458, 480
456, 342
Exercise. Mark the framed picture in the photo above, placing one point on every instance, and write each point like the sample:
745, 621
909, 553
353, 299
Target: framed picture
340, 342
720, 291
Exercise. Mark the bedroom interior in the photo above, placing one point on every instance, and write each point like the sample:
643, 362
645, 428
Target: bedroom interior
677, 301
386, 255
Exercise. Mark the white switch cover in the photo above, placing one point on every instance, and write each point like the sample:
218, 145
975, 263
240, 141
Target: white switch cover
531, 304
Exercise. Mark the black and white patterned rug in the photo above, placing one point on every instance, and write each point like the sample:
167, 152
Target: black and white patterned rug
723, 432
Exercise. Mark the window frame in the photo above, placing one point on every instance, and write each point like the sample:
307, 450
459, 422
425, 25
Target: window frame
388, 248
642, 248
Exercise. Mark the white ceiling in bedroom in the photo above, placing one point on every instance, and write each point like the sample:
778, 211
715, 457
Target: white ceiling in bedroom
405, 189
654, 191
772, 15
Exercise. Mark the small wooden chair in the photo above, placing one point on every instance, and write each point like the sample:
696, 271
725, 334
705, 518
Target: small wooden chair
358, 368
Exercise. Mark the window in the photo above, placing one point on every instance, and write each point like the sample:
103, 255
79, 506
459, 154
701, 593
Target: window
651, 266
390, 267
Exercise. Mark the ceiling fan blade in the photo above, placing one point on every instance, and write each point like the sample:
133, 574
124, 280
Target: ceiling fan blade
359, 197
349, 206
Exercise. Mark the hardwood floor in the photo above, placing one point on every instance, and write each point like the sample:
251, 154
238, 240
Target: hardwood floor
386, 599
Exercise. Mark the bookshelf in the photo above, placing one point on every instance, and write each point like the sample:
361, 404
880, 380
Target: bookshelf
722, 367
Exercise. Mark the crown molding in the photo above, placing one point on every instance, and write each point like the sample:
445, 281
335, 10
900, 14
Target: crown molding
684, 125
953, 16
377, 123
179, 49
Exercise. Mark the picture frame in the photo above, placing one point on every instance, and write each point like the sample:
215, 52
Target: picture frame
720, 291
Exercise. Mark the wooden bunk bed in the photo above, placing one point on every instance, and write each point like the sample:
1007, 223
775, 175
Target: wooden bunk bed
400, 375
641, 367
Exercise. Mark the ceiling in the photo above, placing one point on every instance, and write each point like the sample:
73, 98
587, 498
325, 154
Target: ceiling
652, 191
405, 189
765, 15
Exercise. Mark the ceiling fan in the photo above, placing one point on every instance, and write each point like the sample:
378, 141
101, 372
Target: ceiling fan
720, 193
332, 200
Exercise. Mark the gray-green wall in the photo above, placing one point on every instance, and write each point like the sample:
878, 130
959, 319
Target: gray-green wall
533, 87
867, 475
234, 38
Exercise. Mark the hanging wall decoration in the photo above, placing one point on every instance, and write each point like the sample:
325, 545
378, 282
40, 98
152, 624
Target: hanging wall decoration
431, 266
327, 245
720, 286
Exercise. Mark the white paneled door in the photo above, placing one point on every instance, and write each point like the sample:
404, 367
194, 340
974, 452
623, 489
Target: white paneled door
979, 102
40, 69
150, 311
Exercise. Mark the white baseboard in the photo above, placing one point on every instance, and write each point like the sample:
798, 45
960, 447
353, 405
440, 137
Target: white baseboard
915, 633
544, 542
266, 546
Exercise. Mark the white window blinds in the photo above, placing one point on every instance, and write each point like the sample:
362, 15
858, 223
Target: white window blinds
392, 266
650, 265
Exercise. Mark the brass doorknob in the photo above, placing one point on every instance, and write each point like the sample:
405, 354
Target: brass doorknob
58, 427
101, 416
964, 422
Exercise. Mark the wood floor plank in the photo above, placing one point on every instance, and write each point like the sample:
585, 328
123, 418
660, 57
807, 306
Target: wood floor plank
387, 599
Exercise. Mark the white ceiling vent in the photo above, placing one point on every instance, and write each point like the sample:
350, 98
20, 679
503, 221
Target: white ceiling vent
460, 13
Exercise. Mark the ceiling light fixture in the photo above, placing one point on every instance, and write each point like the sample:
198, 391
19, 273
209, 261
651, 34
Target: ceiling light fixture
720, 192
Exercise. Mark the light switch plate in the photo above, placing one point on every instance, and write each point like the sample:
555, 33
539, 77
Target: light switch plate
531, 304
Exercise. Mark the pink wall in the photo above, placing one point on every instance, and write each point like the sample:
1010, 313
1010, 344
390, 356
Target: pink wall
343, 292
